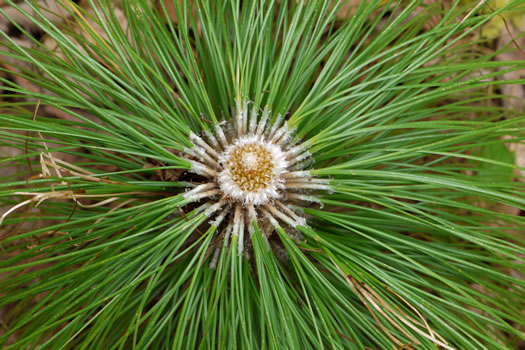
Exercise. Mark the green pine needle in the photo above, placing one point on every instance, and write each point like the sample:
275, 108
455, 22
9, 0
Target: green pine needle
411, 248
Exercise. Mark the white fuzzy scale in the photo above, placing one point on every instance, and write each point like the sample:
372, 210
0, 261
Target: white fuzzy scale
254, 175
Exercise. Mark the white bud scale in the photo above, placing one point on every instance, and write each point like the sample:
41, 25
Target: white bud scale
253, 171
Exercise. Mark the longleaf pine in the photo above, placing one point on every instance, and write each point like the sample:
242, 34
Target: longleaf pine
259, 174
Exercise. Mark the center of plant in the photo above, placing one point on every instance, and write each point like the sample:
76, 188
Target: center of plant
252, 175
252, 170
251, 166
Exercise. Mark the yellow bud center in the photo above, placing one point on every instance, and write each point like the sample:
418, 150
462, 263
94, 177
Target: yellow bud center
251, 166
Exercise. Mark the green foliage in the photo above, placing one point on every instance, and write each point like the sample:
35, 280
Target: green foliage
497, 170
410, 250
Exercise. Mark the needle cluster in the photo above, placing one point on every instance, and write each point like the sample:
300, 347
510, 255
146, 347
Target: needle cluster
254, 171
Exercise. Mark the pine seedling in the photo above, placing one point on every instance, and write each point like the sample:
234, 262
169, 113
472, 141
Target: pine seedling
226, 174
